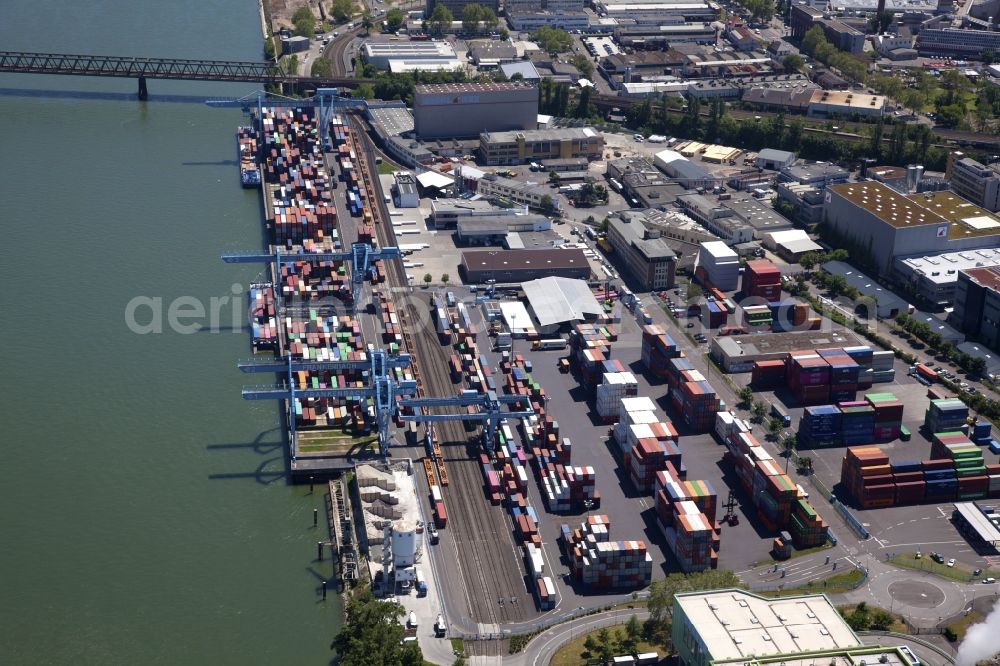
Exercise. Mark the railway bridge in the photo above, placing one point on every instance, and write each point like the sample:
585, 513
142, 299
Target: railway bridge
142, 69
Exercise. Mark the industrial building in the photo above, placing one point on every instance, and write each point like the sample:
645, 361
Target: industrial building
957, 43
740, 627
886, 224
845, 103
508, 266
520, 147
774, 159
404, 190
887, 304
493, 229
760, 217
642, 184
452, 110
844, 37
977, 305
934, 277
683, 170
818, 174
445, 213
656, 11
661, 36
806, 199
718, 265
738, 353
515, 191
716, 218
647, 258
381, 53
978, 183
566, 20
790, 244
558, 302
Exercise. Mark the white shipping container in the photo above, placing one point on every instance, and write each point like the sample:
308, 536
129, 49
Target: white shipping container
436, 493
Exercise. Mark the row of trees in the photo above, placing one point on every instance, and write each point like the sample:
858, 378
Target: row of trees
760, 10
863, 618
814, 43
304, 22
476, 19
604, 645
342, 10
936, 342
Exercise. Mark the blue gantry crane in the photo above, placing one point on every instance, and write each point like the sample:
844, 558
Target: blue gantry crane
383, 388
362, 256
490, 413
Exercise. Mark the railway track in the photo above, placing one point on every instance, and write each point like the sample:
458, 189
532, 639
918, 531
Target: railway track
489, 564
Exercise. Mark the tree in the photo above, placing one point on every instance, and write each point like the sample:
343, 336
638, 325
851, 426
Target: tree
304, 22
977, 365
881, 21
988, 56
367, 22
292, 65
582, 64
321, 68
583, 103
590, 646
774, 427
372, 634
604, 647
806, 463
394, 20
363, 91
546, 202
440, 20
342, 10
759, 411
809, 260
792, 63
879, 619
553, 40
633, 632
661, 596
745, 395
428, 278
444, 278
472, 14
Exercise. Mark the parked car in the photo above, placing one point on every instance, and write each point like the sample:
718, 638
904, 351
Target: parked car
989, 581
951, 562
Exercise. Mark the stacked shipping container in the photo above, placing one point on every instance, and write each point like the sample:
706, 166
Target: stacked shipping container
762, 278
599, 563
657, 350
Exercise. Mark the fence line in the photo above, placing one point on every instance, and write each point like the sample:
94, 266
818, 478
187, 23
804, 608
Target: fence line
852, 522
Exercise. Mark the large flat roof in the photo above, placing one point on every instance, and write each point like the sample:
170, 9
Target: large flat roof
943, 268
735, 624
982, 525
451, 88
753, 344
987, 277
865, 285
541, 135
557, 300
969, 220
887, 204
635, 232
496, 260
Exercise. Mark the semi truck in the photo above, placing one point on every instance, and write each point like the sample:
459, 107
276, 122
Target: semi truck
554, 343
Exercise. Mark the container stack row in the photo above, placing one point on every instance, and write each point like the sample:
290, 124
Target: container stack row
761, 278
826, 375
263, 320
756, 318
696, 401
600, 563
686, 513
790, 315
657, 350
613, 387
591, 347
844, 374
946, 415
877, 418
955, 471
780, 503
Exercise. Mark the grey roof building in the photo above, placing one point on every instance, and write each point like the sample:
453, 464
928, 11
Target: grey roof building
648, 259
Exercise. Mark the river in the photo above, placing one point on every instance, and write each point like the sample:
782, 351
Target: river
145, 511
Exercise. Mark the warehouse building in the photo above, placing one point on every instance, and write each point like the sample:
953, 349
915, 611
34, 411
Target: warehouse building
977, 183
818, 174
761, 218
738, 353
648, 259
844, 103
510, 266
683, 170
977, 305
521, 147
790, 244
558, 302
404, 190
642, 183
717, 218
957, 43
718, 265
515, 191
446, 213
886, 224
739, 627
887, 304
381, 53
493, 229
806, 199
774, 159
935, 277
451, 110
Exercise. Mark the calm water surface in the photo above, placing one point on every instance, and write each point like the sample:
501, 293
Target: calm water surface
145, 513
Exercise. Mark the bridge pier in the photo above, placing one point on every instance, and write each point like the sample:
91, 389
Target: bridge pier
143, 92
